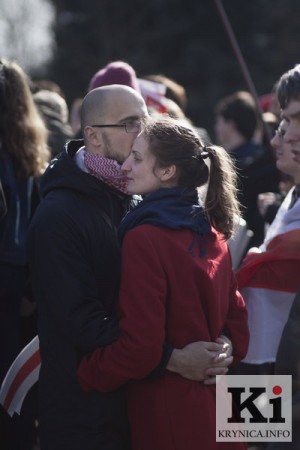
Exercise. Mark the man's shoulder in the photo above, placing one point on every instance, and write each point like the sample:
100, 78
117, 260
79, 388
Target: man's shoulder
65, 210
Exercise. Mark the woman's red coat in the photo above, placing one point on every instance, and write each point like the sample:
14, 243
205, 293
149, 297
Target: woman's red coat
168, 294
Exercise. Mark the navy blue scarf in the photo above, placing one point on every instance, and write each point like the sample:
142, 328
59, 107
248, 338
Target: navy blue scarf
175, 208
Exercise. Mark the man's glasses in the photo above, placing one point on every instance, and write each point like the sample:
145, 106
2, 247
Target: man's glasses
130, 127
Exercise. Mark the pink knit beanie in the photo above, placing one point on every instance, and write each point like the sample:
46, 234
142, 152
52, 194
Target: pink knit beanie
117, 72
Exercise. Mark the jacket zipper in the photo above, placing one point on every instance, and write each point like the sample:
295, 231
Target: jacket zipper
17, 226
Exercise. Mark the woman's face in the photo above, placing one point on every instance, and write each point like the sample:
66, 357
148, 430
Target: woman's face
140, 168
223, 131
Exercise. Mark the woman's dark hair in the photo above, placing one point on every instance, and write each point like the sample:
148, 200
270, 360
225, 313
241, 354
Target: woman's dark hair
23, 134
175, 142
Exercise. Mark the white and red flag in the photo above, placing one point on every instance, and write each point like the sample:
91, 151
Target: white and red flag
277, 268
269, 278
154, 95
21, 376
276, 263
268, 282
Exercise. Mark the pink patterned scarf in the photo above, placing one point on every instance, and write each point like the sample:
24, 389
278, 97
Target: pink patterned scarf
108, 170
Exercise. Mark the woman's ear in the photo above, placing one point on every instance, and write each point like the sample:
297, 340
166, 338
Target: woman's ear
168, 173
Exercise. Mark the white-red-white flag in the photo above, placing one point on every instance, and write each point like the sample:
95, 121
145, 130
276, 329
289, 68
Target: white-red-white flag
21, 376
277, 268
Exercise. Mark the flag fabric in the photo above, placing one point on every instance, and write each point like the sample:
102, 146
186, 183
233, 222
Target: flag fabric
276, 268
21, 376
268, 279
276, 263
268, 282
154, 95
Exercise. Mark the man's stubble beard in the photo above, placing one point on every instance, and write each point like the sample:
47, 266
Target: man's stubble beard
108, 151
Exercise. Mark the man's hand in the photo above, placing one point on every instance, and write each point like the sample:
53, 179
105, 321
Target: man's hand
202, 361
221, 362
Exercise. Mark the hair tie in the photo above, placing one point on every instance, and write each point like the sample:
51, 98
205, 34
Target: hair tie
203, 155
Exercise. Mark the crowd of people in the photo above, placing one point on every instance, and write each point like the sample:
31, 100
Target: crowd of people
116, 219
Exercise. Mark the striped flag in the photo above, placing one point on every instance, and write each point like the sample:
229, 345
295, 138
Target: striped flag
154, 95
268, 282
276, 268
21, 376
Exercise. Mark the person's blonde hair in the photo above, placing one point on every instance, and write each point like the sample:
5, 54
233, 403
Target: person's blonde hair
174, 142
23, 134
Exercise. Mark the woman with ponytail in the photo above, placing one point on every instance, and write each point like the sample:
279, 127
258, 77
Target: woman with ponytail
177, 286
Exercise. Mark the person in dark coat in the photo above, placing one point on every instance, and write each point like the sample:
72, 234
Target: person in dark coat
288, 363
287, 358
24, 156
74, 265
75, 269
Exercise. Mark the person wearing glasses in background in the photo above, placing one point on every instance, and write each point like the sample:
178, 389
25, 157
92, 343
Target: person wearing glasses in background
74, 258
283, 341
269, 275
287, 358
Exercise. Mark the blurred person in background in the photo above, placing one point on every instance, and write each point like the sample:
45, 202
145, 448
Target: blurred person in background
269, 275
287, 358
174, 102
174, 90
115, 72
75, 109
55, 112
289, 98
275, 322
236, 124
24, 156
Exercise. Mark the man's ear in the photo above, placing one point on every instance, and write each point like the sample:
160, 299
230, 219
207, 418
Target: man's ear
168, 173
92, 136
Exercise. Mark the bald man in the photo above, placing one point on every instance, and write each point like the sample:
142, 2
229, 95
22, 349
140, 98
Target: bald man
75, 269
